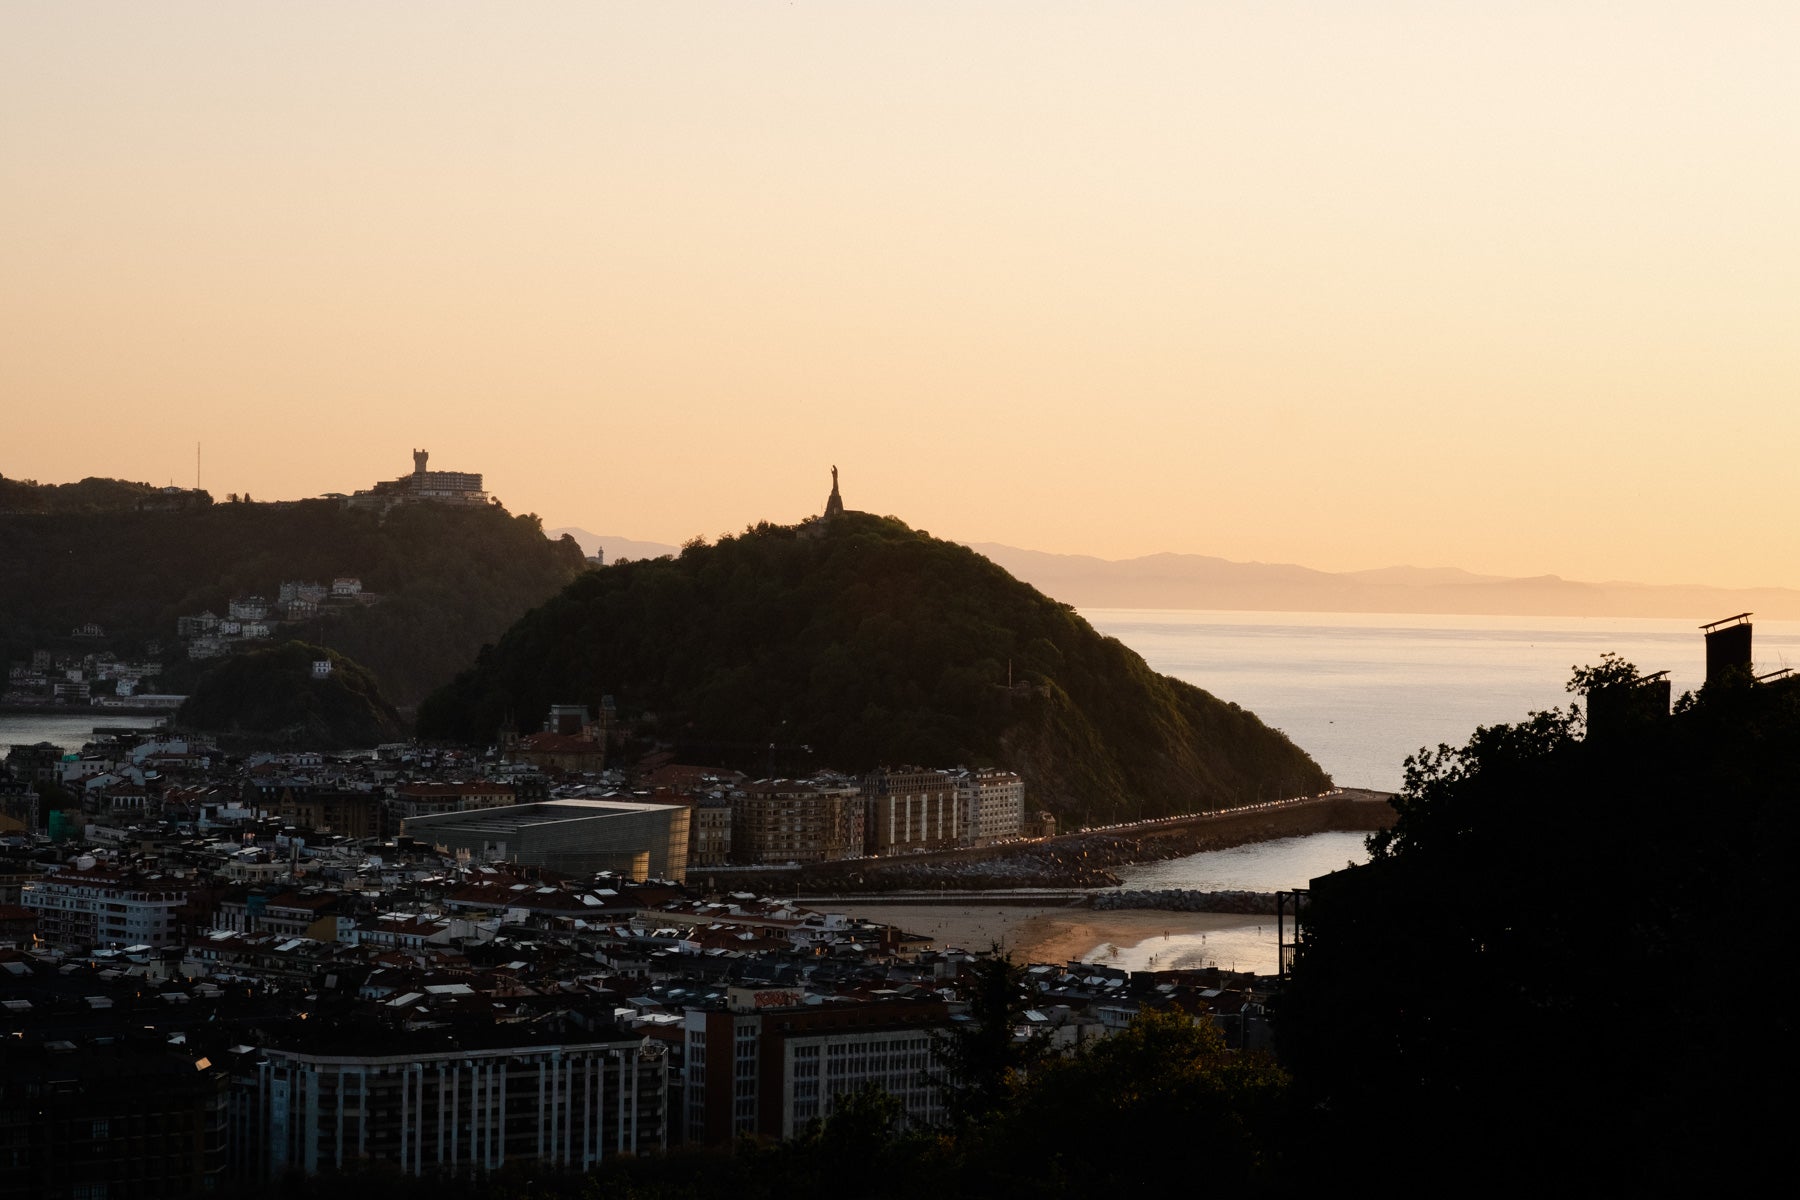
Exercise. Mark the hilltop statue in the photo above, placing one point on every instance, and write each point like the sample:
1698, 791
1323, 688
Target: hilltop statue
834, 504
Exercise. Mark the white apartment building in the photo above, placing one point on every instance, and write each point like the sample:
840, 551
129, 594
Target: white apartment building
100, 906
475, 1104
997, 800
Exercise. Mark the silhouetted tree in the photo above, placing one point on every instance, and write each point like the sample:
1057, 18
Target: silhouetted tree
1611, 671
982, 1061
1113, 1117
1556, 967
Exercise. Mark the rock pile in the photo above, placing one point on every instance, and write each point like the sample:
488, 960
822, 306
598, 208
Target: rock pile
1182, 900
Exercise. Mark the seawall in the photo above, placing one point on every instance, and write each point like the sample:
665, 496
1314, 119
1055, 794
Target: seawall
1077, 860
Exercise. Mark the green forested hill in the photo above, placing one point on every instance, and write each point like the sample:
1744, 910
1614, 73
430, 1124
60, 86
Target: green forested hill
91, 495
450, 579
271, 695
869, 643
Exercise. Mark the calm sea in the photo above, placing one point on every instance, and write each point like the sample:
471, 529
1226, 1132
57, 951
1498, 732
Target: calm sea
1360, 692
1237, 943
68, 732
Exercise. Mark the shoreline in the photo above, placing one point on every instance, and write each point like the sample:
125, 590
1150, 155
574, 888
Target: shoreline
80, 710
1055, 935
1082, 860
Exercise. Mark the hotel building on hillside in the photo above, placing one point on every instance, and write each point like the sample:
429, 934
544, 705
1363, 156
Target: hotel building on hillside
423, 486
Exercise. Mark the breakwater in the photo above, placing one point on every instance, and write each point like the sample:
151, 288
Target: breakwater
1082, 860
1157, 899
1185, 900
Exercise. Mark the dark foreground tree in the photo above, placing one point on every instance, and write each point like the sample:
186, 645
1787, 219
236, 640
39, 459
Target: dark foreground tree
1163, 1099
1563, 962
1124, 1112
982, 1061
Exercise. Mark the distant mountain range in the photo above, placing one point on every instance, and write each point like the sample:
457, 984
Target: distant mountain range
1199, 581
615, 547
1202, 581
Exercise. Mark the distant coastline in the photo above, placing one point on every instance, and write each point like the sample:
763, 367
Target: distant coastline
1198, 581
83, 710
1194, 581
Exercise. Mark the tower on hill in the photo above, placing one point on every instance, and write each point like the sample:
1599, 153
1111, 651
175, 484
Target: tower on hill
424, 484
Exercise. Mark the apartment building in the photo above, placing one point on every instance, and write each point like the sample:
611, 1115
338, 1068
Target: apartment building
133, 1116
996, 799
91, 905
912, 808
769, 1063
352, 814
430, 799
432, 1101
786, 820
709, 840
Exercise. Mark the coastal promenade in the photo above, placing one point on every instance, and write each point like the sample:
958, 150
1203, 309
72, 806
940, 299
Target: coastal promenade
1142, 928
1339, 808
1066, 864
1024, 898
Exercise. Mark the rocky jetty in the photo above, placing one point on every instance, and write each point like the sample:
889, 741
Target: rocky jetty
1078, 860
1041, 866
1182, 900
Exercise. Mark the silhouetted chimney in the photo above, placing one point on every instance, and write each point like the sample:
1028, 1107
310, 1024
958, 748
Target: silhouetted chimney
1727, 646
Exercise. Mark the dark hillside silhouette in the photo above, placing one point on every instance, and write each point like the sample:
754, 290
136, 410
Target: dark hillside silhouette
866, 642
1563, 962
449, 578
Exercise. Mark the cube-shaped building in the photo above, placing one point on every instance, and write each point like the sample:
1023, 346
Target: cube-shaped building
576, 837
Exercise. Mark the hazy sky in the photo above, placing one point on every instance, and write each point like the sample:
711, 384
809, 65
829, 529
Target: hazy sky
1510, 286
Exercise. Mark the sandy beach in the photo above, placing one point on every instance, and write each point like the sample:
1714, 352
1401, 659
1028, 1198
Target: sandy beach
1136, 939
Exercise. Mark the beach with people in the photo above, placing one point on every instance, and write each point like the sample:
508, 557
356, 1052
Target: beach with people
1134, 939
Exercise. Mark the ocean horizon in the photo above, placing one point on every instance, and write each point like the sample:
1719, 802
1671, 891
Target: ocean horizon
1362, 691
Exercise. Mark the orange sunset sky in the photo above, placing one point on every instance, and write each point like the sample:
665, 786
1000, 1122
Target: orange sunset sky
1514, 287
